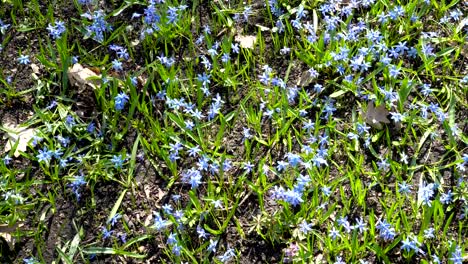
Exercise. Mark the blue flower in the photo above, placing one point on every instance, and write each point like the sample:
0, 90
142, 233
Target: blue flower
176, 249
98, 27
123, 237
404, 188
248, 167
7, 159
396, 117
339, 260
425, 193
362, 128
167, 208
114, 219
24, 59
106, 233
159, 223
91, 127
201, 232
305, 227
3, 27
217, 204
70, 121
117, 161
446, 198
212, 246
429, 233
394, 71
117, 65
30, 261
44, 155
360, 225
293, 159
63, 162
457, 257
386, 231
171, 239
120, 100
195, 179
282, 165
383, 164
343, 221
411, 244
57, 30
326, 190
334, 233
76, 184
227, 255
293, 197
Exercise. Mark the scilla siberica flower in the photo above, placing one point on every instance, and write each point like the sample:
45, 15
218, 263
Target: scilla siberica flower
120, 100
24, 59
57, 30
292, 196
117, 161
98, 27
425, 193
76, 184
386, 231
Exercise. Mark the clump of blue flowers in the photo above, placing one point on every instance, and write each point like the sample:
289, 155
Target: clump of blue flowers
76, 185
292, 196
99, 26
120, 100
386, 231
56, 30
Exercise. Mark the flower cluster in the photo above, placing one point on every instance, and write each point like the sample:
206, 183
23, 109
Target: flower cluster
386, 231
76, 185
294, 195
56, 30
99, 26
120, 100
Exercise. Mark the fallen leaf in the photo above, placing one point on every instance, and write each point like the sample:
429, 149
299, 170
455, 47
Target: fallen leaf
262, 28
16, 133
147, 190
135, 43
35, 68
5, 233
246, 42
148, 220
315, 20
142, 81
306, 79
82, 77
375, 116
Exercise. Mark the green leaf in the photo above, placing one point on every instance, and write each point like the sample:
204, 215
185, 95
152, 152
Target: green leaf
111, 251
116, 205
338, 93
135, 240
74, 244
63, 256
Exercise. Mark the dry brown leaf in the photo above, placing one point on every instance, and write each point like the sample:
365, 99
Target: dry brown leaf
306, 79
246, 42
82, 77
17, 133
148, 219
35, 68
375, 116
5, 233
262, 28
